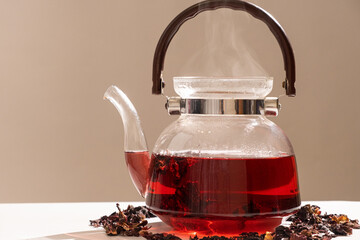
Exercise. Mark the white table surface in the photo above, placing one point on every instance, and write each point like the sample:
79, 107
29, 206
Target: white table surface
70, 221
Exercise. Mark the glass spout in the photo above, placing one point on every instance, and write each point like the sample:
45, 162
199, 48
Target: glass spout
136, 151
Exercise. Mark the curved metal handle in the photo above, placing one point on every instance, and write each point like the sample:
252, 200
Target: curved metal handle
255, 11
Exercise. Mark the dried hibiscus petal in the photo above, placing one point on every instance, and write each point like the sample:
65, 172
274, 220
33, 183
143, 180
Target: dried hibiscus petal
130, 222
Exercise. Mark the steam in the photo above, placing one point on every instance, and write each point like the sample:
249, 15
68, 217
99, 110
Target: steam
225, 52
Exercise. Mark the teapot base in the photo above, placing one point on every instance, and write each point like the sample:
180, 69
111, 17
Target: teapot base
213, 225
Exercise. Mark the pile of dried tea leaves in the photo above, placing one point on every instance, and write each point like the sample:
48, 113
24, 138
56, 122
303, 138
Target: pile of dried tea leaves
130, 222
307, 224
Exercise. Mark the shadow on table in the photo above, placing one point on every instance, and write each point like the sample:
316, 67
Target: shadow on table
158, 227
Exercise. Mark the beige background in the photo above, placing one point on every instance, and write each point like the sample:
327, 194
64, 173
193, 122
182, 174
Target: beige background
59, 141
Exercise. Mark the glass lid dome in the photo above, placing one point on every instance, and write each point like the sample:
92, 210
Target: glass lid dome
223, 87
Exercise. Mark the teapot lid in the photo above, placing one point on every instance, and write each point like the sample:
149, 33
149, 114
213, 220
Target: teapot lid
223, 96
223, 87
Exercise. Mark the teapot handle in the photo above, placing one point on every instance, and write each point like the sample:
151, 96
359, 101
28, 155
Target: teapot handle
255, 11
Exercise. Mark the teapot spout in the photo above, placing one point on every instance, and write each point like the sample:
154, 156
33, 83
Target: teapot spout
136, 151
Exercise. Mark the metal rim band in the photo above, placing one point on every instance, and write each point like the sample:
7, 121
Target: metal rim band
267, 106
222, 106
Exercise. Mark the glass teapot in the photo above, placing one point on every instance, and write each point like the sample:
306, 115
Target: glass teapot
222, 166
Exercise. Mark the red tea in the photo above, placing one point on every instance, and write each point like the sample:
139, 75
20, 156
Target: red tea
222, 195
138, 166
